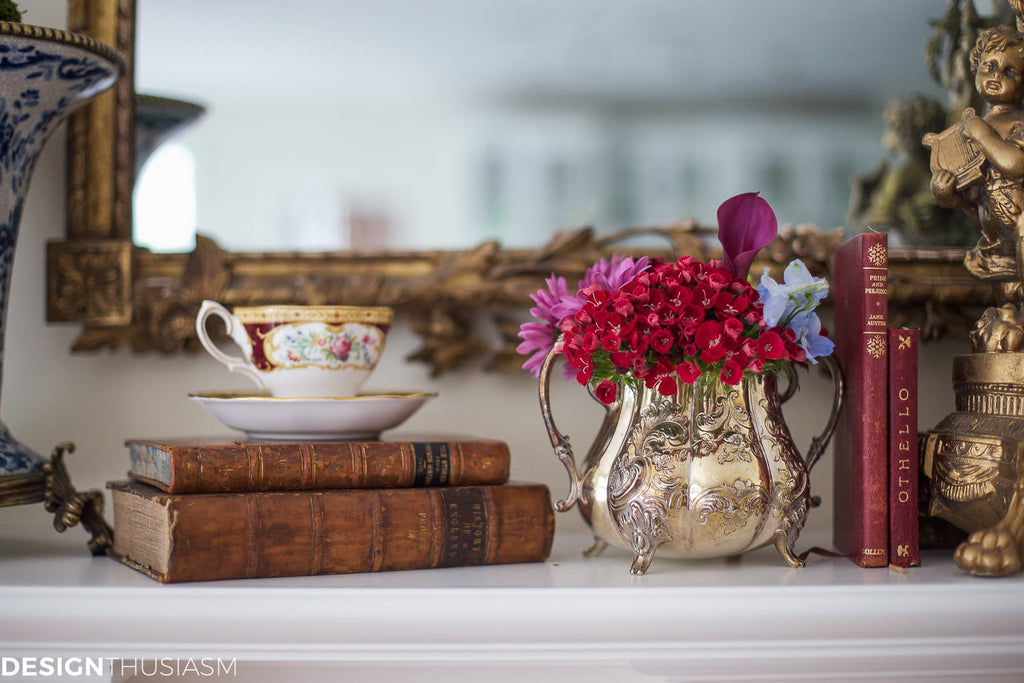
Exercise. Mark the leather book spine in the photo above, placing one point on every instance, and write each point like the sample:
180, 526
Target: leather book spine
255, 535
239, 466
904, 547
861, 440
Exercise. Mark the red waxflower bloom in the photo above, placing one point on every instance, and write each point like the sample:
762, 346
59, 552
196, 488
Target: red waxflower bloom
606, 392
688, 371
692, 314
724, 306
610, 341
679, 296
638, 293
667, 385
622, 360
770, 346
733, 328
717, 279
585, 365
732, 372
622, 305
714, 353
710, 334
703, 296
640, 341
661, 341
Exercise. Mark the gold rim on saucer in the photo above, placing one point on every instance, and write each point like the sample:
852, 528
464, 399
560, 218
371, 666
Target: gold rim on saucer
249, 396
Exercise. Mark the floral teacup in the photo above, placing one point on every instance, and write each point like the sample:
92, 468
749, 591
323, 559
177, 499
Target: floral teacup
301, 351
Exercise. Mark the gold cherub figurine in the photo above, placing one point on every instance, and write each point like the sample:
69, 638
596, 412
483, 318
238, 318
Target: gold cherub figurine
975, 456
979, 164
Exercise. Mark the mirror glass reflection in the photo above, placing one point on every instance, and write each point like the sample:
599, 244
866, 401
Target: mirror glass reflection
362, 124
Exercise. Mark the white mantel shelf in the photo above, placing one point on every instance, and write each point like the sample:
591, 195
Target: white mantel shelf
570, 618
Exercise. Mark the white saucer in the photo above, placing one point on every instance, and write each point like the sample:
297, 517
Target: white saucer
311, 419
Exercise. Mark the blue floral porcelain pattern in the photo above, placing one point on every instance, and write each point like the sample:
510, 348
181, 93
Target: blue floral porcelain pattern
41, 82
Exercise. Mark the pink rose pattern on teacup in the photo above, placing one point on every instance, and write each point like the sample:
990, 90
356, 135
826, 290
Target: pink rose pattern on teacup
332, 346
341, 347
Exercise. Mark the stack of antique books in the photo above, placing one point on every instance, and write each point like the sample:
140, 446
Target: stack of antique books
197, 510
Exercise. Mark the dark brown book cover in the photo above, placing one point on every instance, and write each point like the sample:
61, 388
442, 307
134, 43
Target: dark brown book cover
861, 451
904, 547
209, 536
227, 465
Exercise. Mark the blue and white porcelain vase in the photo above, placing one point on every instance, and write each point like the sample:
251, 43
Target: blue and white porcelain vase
45, 74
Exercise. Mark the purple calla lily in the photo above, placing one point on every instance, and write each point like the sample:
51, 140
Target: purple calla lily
746, 223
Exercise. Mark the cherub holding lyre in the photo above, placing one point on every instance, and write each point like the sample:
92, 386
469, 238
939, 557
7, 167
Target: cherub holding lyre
980, 163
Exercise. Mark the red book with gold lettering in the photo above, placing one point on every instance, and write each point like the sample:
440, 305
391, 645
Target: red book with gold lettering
904, 547
861, 440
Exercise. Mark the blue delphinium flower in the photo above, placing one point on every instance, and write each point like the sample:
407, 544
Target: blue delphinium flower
791, 303
799, 292
807, 326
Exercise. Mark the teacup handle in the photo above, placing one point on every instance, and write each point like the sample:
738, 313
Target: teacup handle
233, 363
559, 441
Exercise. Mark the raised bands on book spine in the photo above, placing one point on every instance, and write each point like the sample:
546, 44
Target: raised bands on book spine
202, 466
199, 537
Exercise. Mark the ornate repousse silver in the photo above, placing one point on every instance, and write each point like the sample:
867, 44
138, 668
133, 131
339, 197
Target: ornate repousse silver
707, 472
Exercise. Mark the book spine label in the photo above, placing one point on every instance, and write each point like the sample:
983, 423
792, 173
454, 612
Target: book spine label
904, 550
861, 513
465, 527
432, 464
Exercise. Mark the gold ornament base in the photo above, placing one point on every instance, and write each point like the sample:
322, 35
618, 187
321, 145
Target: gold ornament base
53, 488
973, 459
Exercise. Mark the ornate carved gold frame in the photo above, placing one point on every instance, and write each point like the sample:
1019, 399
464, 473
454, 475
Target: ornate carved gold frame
457, 301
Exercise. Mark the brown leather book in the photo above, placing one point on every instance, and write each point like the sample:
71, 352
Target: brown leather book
226, 465
904, 545
861, 439
209, 536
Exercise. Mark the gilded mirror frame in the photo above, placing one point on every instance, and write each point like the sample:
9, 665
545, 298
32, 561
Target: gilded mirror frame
462, 304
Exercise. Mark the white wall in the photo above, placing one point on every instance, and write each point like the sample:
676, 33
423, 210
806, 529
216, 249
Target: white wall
98, 400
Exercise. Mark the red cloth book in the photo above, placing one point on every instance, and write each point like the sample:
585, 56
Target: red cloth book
861, 451
904, 547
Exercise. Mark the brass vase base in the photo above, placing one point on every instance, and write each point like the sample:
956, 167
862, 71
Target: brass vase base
53, 488
973, 461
